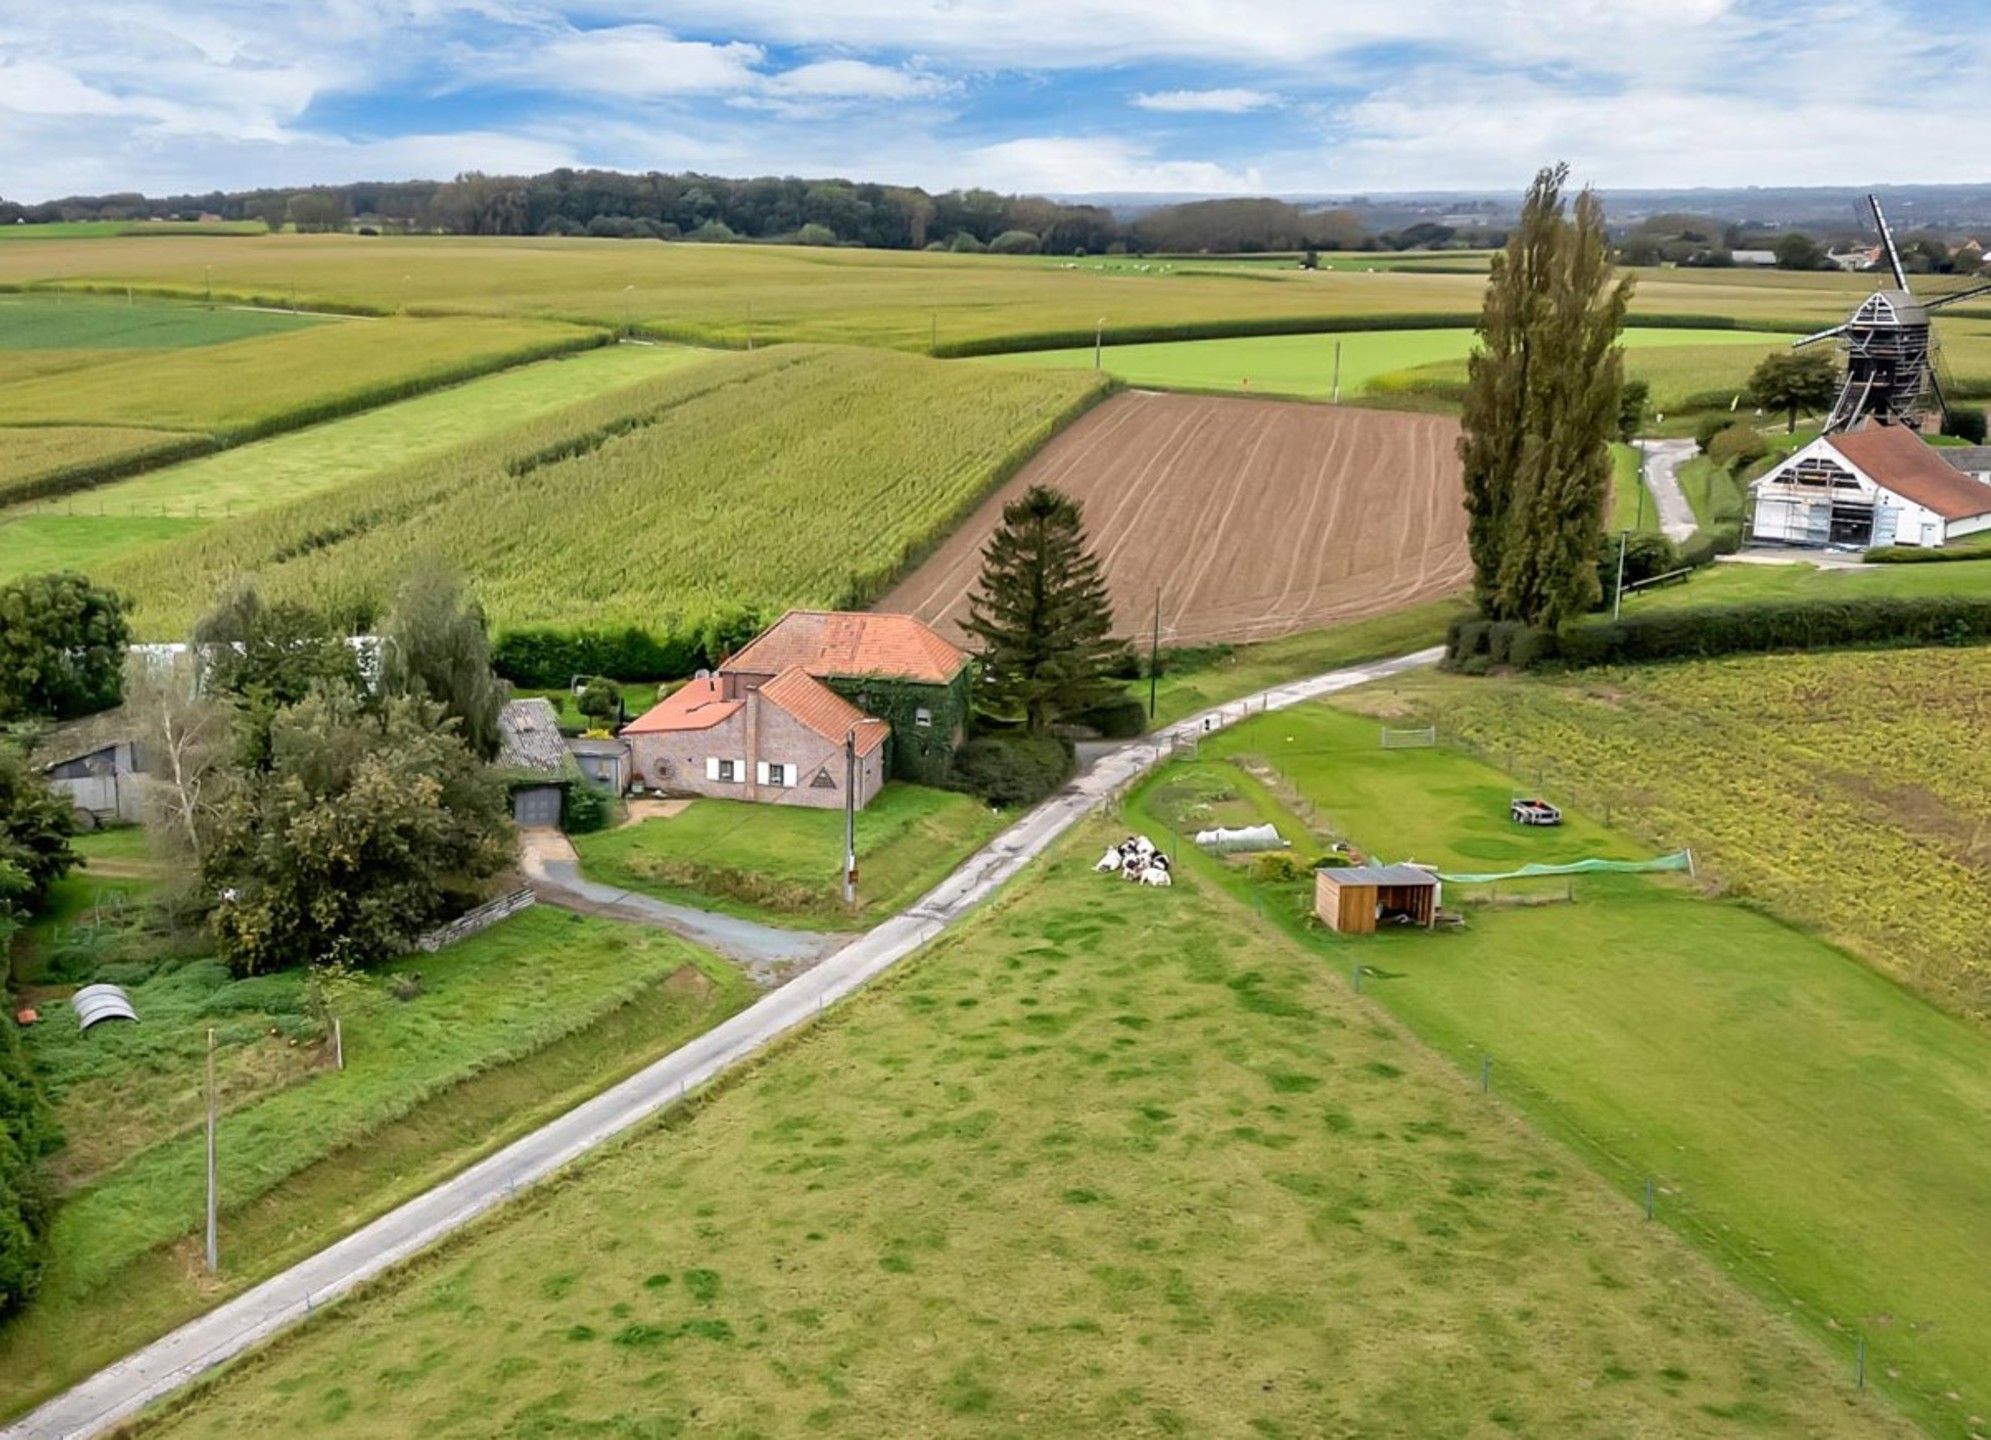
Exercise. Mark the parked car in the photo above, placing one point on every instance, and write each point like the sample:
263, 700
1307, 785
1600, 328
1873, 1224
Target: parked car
1534, 812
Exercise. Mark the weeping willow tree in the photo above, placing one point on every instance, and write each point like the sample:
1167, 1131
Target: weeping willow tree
1541, 408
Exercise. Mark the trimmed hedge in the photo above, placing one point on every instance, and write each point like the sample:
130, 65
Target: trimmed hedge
1700, 632
1926, 555
545, 659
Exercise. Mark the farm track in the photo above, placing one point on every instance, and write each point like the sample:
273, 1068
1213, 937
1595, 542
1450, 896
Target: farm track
1253, 518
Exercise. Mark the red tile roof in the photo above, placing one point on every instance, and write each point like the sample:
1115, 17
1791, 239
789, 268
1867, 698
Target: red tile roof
851, 643
824, 711
697, 705
1900, 460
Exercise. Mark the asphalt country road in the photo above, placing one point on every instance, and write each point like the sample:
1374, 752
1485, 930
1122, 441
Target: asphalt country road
1663, 459
119, 1391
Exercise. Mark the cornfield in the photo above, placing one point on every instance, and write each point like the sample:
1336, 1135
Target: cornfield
788, 476
1845, 790
41, 459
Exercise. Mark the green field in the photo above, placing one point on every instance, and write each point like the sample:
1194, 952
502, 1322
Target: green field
907, 300
790, 476
1631, 506
784, 864
87, 529
1103, 1161
1731, 582
1871, 758
90, 322
507, 1029
243, 388
1810, 1124
1304, 365
104, 229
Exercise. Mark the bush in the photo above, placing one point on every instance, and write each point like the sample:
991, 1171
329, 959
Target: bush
1015, 242
1707, 427
814, 234
965, 244
1279, 867
1118, 720
586, 810
27, 1134
1738, 445
1012, 768
546, 659
1701, 632
1965, 422
1925, 554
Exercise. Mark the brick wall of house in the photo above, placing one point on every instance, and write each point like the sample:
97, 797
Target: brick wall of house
674, 761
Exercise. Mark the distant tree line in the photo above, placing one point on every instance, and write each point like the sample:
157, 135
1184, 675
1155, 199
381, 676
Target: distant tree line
1676, 239
656, 206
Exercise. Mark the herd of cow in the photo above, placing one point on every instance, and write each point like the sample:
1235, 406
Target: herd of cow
1136, 859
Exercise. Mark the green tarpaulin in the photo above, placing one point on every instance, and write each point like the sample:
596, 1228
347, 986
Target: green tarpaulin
1678, 860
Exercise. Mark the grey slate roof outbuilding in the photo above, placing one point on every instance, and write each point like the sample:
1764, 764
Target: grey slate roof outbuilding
1383, 875
529, 739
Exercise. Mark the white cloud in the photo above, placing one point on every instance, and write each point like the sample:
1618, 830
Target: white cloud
1216, 102
855, 80
634, 61
1066, 165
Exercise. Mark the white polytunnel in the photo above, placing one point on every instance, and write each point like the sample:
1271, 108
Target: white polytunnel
101, 1002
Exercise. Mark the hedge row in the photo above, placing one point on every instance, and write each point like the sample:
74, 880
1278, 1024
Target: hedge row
1699, 632
1926, 555
548, 659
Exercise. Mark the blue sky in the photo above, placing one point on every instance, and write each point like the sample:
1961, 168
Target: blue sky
1212, 96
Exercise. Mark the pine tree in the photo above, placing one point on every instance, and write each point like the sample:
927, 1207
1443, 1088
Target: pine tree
1542, 404
1042, 614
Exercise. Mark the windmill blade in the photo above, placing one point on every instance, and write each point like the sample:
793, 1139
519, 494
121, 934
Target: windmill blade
1887, 243
1971, 294
1821, 335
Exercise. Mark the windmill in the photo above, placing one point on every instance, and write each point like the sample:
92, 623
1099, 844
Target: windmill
1889, 345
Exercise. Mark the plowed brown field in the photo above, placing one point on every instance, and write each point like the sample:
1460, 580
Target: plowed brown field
1255, 518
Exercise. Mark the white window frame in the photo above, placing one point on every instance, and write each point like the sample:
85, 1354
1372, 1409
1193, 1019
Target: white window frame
723, 770
777, 773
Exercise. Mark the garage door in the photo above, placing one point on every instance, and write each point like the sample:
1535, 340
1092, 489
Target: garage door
539, 805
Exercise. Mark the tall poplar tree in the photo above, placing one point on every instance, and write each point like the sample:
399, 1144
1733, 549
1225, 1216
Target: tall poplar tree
1042, 613
1541, 408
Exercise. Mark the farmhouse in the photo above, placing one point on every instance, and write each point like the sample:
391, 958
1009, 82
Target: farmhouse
1878, 485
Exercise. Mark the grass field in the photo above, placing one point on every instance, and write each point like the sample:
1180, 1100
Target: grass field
242, 388
1813, 1126
1630, 506
1734, 581
1786, 774
907, 300
122, 517
1304, 365
509, 1027
784, 864
1104, 1161
104, 229
48, 322
790, 476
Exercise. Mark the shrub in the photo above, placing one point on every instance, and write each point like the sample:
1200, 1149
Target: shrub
1012, 768
1738, 445
1015, 242
814, 234
1279, 867
1709, 426
965, 244
1700, 632
1117, 720
1966, 422
585, 811
544, 659
27, 1134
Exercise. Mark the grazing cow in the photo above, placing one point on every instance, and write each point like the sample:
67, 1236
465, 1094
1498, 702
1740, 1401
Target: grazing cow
1156, 875
1112, 860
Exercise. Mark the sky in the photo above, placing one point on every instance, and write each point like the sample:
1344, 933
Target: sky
1049, 96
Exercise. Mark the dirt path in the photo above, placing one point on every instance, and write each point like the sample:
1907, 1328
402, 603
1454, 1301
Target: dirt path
1250, 518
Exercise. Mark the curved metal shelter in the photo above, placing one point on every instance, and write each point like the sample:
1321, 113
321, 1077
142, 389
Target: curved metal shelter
96, 1003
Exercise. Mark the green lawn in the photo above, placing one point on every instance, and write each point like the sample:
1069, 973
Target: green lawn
1810, 1124
1198, 681
1631, 506
637, 696
1712, 492
1733, 581
1104, 1161
90, 322
784, 864
31, 544
508, 1028
1303, 365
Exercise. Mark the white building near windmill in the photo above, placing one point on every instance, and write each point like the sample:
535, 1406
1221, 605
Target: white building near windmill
1878, 485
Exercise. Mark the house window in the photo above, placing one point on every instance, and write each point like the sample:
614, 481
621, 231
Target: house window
923, 718
727, 770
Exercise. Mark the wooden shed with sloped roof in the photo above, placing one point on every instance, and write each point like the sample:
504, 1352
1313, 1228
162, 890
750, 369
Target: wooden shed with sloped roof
1355, 899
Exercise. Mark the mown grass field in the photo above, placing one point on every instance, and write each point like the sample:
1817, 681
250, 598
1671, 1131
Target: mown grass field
1731, 582
784, 864
1841, 788
907, 300
509, 1028
790, 476
87, 529
1303, 365
1630, 506
37, 323
1811, 1125
84, 229
1103, 1161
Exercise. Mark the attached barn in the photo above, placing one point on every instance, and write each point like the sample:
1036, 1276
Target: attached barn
1879, 485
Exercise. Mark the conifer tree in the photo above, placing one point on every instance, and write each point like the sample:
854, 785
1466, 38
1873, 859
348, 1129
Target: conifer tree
1042, 613
1541, 407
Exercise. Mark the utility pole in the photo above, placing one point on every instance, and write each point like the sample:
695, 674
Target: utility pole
1098, 341
1154, 652
210, 287
1337, 372
1618, 590
850, 817
933, 338
1642, 486
213, 1243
